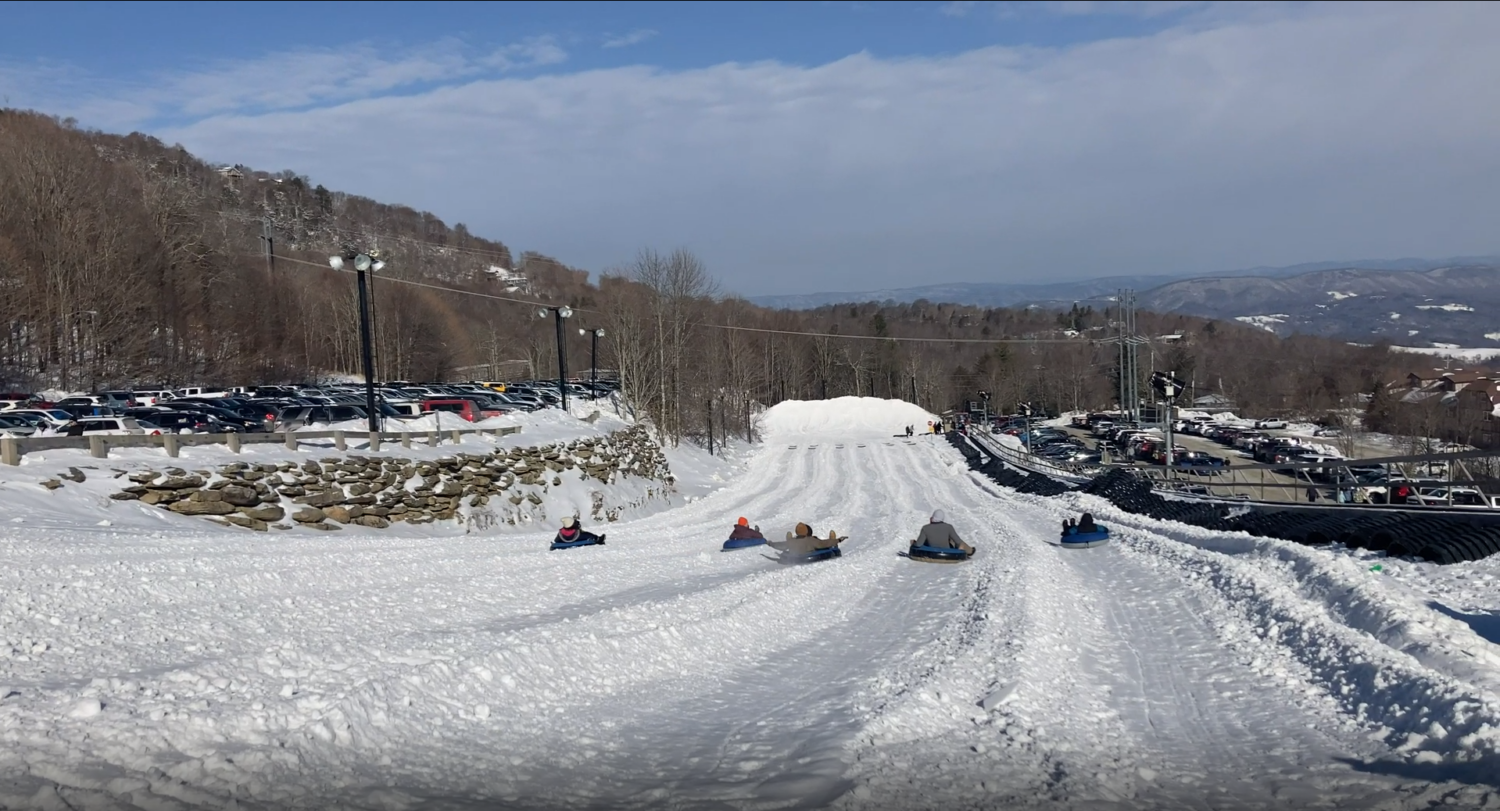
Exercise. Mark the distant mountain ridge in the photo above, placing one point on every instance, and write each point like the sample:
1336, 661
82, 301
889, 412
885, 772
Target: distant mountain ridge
984, 294
1454, 305
1411, 302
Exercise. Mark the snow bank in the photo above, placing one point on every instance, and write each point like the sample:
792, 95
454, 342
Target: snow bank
842, 417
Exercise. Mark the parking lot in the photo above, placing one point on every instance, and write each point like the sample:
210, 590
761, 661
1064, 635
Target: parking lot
1233, 480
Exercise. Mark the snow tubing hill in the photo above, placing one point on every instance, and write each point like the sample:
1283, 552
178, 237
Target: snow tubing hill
1086, 540
933, 554
594, 541
743, 543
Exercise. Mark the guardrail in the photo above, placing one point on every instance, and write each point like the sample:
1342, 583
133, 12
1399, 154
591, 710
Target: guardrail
1076, 474
99, 446
1221, 482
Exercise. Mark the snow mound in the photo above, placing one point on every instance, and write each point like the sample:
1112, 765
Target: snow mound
842, 416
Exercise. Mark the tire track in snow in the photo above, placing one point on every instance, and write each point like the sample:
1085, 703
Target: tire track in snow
348, 706
769, 734
1233, 715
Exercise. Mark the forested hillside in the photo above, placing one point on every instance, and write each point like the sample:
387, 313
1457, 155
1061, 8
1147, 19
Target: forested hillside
127, 261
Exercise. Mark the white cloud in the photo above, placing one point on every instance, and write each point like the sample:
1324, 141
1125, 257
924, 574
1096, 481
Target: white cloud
635, 37
1315, 133
277, 81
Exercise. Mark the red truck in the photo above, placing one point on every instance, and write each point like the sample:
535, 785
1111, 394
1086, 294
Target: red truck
468, 409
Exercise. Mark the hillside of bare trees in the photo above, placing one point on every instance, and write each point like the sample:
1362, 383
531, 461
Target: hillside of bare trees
128, 262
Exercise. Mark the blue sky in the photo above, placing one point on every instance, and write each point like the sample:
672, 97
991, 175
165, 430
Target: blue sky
829, 145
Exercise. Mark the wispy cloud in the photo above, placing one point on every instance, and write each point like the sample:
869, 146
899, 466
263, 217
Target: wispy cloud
635, 37
277, 81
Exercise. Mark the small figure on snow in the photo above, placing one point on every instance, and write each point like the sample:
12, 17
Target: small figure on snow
1070, 526
743, 532
805, 542
1086, 523
939, 534
572, 533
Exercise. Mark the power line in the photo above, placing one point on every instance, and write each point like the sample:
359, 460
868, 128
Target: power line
729, 327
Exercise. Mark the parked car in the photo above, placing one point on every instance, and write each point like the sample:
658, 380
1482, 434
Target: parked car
110, 426
468, 409
15, 427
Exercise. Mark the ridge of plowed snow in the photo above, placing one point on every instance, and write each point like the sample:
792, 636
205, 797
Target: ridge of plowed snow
842, 418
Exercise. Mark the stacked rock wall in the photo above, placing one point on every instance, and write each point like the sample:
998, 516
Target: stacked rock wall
507, 486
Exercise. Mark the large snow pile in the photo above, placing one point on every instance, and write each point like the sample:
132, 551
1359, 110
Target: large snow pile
842, 417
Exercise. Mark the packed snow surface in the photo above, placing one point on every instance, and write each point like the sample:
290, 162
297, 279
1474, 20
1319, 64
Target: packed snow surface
153, 662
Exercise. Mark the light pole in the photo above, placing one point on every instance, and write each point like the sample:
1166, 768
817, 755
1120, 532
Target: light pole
595, 335
1026, 409
562, 348
363, 262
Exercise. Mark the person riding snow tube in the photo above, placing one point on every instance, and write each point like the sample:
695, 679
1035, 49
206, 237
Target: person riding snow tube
939, 534
804, 542
1086, 524
573, 535
744, 536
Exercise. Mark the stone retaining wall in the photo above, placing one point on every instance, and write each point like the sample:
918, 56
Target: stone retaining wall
482, 490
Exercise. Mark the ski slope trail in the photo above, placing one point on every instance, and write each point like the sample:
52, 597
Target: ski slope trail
187, 669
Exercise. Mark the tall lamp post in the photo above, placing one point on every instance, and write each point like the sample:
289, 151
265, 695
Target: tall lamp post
595, 335
363, 262
562, 348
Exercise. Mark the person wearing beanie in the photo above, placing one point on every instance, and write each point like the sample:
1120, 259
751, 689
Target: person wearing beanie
744, 532
572, 533
939, 534
805, 541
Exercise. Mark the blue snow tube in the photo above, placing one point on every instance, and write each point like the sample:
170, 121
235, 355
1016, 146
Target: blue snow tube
1086, 540
811, 557
743, 543
939, 554
591, 540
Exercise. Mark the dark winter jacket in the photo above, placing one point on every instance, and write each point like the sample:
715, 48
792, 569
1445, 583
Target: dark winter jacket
740, 533
574, 535
939, 535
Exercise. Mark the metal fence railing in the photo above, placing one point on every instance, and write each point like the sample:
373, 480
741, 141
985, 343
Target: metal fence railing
99, 446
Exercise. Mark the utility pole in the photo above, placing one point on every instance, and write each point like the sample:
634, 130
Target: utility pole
274, 319
710, 416
265, 235
1026, 410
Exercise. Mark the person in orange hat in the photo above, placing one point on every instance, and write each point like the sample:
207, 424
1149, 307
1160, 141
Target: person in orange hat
743, 532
